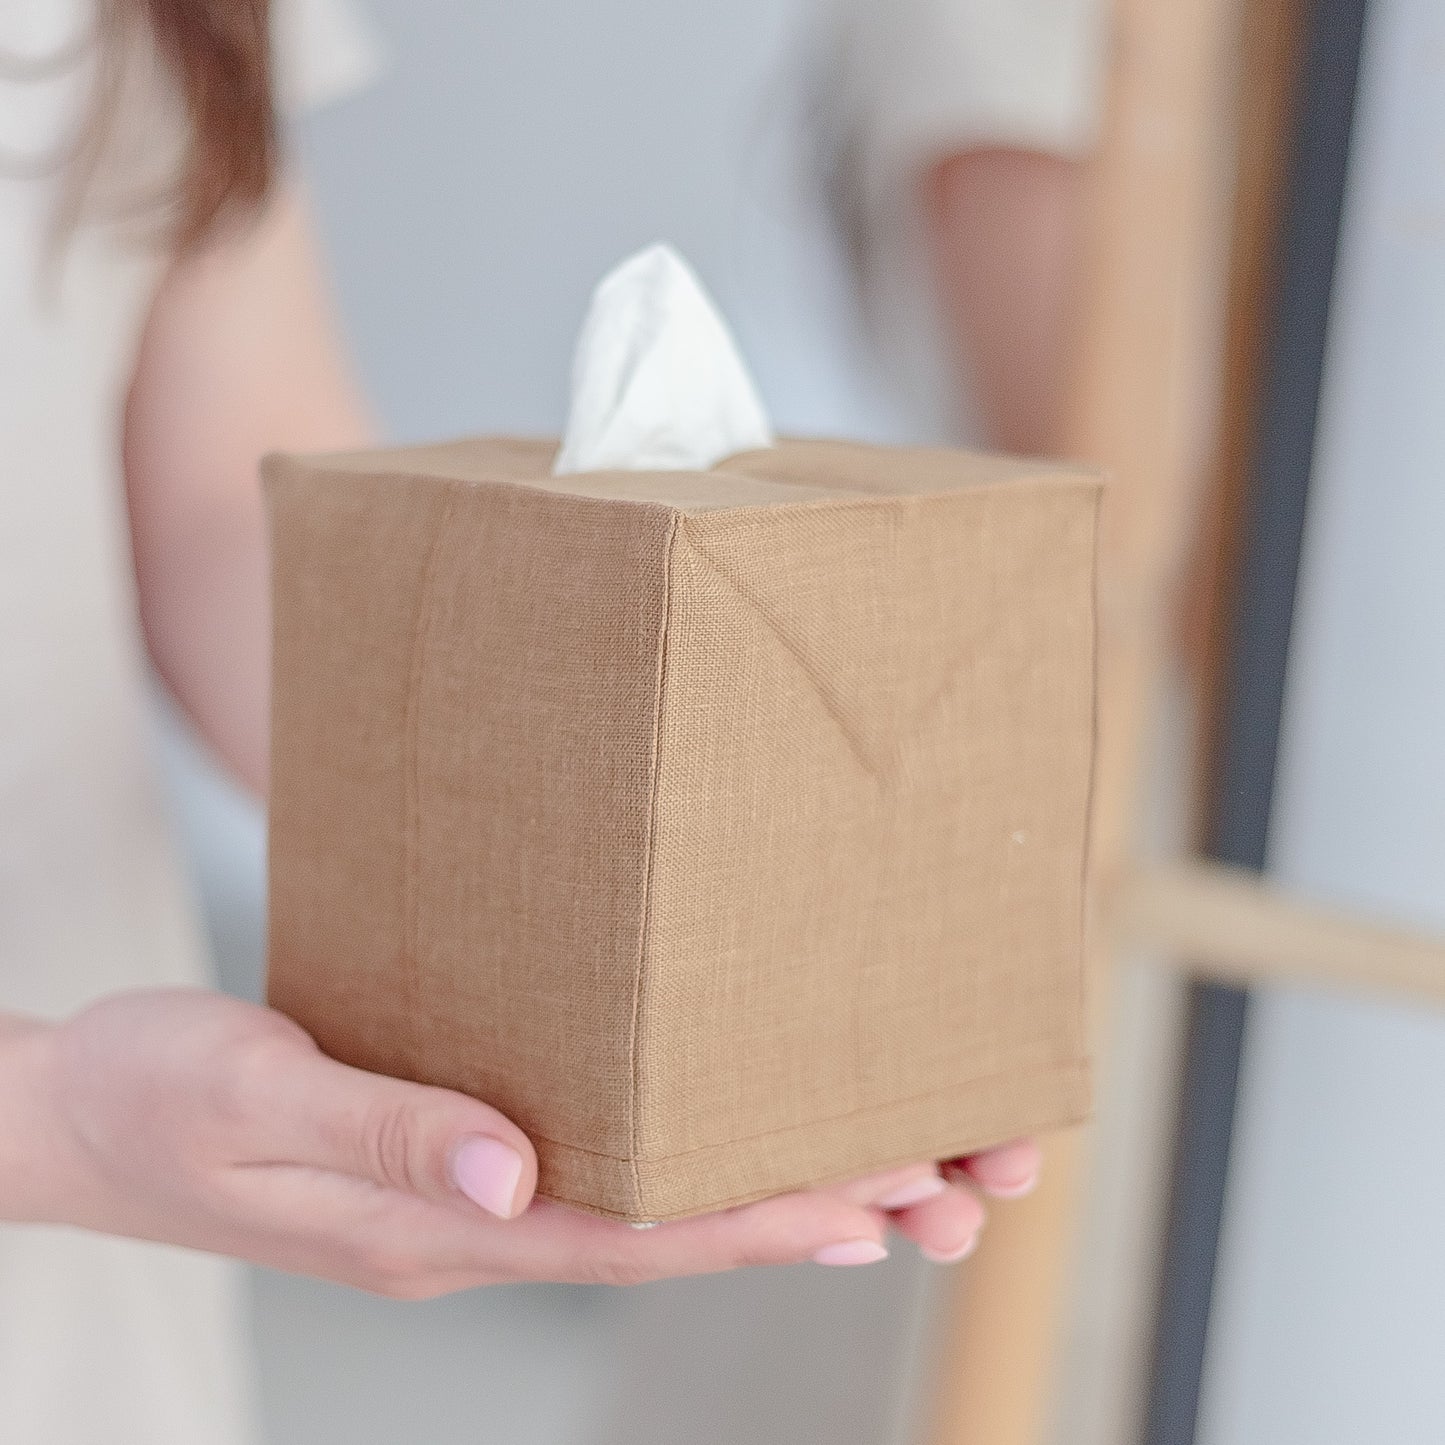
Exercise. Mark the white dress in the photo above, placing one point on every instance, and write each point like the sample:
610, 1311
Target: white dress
101, 1340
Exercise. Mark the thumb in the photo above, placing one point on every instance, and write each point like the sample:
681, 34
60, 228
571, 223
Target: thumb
441, 1145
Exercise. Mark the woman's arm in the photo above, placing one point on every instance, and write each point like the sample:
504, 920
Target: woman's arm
1004, 233
28, 1162
240, 356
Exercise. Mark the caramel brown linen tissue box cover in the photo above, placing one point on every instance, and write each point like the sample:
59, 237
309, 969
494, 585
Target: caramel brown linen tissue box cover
725, 829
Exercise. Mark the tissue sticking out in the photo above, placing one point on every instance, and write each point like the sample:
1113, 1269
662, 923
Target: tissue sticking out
658, 383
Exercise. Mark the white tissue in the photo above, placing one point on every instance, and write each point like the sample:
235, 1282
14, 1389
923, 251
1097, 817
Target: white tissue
657, 380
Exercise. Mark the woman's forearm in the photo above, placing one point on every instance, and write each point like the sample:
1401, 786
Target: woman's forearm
240, 356
205, 610
1004, 233
29, 1157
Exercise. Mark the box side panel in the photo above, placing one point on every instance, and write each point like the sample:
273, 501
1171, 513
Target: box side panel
531, 741
349, 560
465, 703
866, 918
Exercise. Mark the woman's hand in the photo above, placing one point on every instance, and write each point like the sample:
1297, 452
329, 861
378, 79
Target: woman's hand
200, 1120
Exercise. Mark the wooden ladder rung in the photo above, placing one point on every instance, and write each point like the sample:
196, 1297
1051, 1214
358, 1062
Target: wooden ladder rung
1233, 926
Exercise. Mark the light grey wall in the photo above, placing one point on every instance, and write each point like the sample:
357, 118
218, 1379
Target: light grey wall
1330, 1323
510, 154
515, 151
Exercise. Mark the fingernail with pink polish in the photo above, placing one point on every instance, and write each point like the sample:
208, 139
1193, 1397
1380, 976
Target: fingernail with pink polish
852, 1251
488, 1172
914, 1192
952, 1256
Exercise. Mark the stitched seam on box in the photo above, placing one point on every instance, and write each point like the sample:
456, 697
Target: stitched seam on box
1077, 1062
1076, 1116
951, 675
411, 831
644, 933
820, 688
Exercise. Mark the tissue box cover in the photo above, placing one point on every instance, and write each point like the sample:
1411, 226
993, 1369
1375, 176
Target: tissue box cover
725, 829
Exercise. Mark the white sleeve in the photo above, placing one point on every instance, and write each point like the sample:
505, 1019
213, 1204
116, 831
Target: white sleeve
324, 51
931, 77
910, 82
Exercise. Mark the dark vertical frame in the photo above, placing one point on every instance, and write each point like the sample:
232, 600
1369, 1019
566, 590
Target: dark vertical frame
1254, 685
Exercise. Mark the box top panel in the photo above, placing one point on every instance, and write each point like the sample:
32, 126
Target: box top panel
791, 473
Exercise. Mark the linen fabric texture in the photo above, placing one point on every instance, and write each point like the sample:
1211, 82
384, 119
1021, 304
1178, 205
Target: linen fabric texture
725, 829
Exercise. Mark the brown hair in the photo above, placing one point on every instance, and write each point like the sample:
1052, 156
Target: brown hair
217, 54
